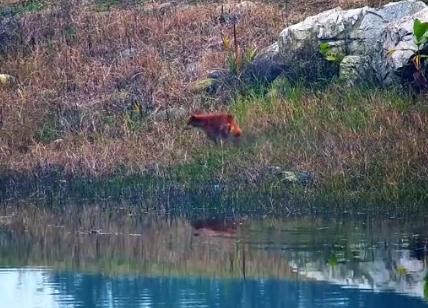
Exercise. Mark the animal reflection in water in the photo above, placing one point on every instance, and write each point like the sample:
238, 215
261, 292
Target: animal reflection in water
215, 227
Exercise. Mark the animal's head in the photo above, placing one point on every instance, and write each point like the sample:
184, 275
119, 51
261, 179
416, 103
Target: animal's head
235, 130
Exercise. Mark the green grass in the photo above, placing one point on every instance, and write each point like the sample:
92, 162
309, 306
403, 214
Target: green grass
362, 144
30, 6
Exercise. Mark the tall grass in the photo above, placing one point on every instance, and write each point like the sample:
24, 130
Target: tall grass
359, 143
102, 88
81, 72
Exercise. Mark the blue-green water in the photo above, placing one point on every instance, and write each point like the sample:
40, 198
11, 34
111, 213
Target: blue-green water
46, 288
124, 257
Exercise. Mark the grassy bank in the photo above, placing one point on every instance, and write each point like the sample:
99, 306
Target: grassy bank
102, 99
361, 146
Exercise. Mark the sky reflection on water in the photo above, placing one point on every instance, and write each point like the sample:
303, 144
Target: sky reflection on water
122, 257
32, 287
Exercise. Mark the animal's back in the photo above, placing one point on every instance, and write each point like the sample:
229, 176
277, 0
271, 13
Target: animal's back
216, 125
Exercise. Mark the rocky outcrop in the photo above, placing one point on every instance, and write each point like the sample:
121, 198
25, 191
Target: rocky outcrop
363, 38
265, 67
397, 36
373, 45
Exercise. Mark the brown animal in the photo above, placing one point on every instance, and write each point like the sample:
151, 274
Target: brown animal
217, 126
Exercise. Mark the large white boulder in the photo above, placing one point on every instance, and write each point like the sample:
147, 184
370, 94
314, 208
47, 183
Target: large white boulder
397, 37
364, 38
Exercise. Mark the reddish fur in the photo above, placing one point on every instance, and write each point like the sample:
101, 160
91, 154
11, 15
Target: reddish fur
216, 125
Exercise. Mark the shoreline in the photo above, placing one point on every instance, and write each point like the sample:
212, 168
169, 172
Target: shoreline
156, 194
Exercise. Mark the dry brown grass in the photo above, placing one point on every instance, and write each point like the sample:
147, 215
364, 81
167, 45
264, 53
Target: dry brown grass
76, 66
8, 2
80, 72
364, 140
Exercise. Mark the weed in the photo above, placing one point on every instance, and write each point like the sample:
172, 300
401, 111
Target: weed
329, 54
417, 72
420, 37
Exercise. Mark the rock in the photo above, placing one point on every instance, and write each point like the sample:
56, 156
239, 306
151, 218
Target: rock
7, 80
397, 37
166, 7
363, 37
208, 85
297, 177
217, 74
58, 144
266, 67
300, 177
372, 45
354, 69
217, 81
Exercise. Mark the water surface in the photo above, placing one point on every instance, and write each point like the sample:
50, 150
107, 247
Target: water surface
99, 256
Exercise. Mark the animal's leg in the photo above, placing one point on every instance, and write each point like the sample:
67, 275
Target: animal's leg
224, 130
212, 136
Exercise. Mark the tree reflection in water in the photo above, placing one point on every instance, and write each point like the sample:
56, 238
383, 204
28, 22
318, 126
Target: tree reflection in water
359, 252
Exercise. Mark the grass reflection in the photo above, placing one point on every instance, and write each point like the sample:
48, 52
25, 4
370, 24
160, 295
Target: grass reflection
362, 251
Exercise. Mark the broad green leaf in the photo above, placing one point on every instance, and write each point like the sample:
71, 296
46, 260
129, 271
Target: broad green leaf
420, 30
324, 48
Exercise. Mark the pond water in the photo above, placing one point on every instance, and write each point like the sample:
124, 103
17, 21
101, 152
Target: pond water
120, 256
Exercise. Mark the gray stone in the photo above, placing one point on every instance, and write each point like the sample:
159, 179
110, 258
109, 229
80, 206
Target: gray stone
217, 74
397, 47
364, 36
296, 177
354, 69
239, 7
7, 80
219, 81
370, 45
267, 66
